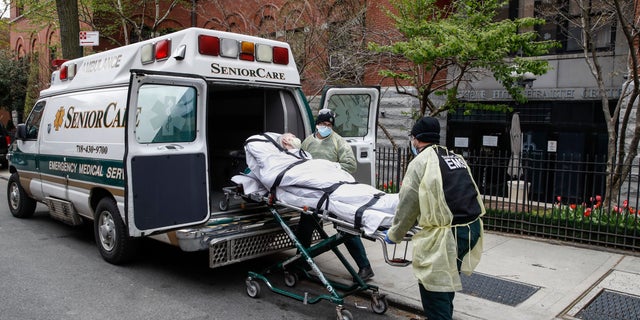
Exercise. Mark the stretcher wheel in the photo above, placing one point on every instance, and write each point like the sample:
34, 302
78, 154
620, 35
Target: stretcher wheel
379, 304
253, 288
345, 315
223, 204
290, 279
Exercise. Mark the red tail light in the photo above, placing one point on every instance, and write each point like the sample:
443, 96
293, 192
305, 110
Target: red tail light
8, 140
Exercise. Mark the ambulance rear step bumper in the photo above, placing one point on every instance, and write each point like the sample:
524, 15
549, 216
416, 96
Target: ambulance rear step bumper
239, 240
242, 247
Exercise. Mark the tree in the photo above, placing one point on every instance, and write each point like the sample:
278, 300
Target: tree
588, 24
32, 90
445, 46
115, 20
13, 80
69, 28
136, 20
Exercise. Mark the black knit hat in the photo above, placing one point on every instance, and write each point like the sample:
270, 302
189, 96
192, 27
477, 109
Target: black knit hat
326, 115
427, 129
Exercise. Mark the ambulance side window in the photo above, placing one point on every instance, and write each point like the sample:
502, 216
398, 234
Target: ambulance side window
33, 122
166, 113
352, 114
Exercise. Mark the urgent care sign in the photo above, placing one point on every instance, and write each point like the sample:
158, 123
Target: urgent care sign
89, 38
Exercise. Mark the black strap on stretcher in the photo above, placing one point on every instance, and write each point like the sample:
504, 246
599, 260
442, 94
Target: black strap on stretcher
358, 219
357, 222
281, 175
301, 153
327, 192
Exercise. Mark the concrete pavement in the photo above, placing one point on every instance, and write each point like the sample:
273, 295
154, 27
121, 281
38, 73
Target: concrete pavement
564, 281
518, 278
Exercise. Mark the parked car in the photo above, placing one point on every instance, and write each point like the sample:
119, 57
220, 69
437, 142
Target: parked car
5, 141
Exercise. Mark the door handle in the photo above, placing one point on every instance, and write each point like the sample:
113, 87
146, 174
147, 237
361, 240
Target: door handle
171, 147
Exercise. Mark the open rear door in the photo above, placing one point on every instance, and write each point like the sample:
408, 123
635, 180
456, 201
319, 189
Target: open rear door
166, 158
356, 111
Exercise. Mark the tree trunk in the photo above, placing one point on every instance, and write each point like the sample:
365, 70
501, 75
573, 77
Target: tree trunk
69, 28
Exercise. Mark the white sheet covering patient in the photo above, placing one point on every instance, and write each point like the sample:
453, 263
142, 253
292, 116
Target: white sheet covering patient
302, 181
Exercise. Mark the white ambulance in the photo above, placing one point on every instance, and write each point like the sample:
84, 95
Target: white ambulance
140, 141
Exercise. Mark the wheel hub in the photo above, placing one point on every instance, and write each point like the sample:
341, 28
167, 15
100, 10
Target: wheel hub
107, 231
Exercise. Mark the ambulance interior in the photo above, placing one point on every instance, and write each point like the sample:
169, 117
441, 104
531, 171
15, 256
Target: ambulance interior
235, 113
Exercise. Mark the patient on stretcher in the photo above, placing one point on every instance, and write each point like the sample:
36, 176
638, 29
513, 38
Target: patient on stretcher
279, 168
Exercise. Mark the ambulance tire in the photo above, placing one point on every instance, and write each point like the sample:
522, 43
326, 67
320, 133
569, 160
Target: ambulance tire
112, 237
20, 204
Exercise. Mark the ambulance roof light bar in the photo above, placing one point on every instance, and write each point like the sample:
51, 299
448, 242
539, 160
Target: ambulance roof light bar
243, 50
215, 46
63, 73
155, 51
67, 72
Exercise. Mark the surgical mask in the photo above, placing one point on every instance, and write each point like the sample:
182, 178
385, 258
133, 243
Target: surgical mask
295, 143
414, 150
324, 131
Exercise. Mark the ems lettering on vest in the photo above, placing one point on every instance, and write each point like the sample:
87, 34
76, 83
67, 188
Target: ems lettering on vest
454, 162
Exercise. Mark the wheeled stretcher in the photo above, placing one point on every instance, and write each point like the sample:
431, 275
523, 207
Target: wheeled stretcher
292, 268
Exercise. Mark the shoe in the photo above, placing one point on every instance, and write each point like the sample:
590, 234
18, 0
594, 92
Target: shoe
365, 274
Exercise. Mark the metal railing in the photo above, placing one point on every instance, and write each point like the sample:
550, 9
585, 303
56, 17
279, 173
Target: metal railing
561, 197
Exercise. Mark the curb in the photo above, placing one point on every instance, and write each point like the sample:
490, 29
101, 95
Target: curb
404, 306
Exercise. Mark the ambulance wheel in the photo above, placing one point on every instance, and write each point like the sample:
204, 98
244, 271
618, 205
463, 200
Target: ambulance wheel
111, 234
379, 304
345, 315
20, 204
253, 288
290, 279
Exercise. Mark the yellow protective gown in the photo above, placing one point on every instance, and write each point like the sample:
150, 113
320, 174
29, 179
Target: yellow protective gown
422, 201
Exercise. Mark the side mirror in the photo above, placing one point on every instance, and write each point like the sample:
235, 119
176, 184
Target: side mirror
21, 131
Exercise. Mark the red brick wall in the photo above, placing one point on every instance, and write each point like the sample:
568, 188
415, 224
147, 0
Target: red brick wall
241, 16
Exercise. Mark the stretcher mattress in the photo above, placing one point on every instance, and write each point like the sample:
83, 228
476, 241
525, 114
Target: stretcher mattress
301, 181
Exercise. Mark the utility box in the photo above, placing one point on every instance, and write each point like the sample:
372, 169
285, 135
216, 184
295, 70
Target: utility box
518, 190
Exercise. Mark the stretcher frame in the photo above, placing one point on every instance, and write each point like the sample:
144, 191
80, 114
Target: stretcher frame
292, 270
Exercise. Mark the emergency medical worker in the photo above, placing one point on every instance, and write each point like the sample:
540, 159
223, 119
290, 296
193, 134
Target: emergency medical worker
438, 194
329, 145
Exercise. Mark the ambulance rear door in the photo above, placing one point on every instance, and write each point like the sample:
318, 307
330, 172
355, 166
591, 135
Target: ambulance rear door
166, 158
356, 110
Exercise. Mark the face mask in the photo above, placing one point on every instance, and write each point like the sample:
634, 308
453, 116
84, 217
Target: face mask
324, 131
414, 150
295, 143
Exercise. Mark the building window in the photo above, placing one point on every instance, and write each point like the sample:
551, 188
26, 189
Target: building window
563, 23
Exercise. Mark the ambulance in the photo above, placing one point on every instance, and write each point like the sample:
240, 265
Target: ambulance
142, 140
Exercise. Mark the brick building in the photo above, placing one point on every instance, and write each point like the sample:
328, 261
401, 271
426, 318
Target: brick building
316, 27
329, 40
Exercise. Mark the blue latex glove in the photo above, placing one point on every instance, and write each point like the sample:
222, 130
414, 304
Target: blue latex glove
386, 238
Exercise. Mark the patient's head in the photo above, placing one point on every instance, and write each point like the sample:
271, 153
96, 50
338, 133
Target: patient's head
289, 141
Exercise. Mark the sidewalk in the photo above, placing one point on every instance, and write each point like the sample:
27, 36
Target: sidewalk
520, 278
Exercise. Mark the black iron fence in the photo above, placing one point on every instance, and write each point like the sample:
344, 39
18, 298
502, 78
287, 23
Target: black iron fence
562, 197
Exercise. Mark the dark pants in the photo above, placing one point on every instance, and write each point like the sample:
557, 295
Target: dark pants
354, 244
439, 305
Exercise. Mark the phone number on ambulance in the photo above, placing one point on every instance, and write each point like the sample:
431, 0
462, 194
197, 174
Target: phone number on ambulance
92, 149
